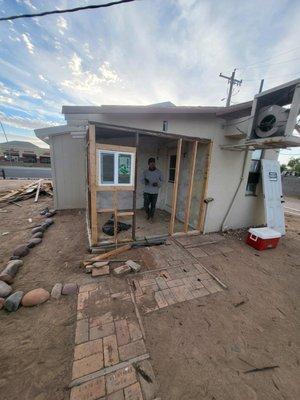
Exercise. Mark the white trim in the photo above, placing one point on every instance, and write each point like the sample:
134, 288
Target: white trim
116, 154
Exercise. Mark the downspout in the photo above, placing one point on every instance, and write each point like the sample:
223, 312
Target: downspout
236, 192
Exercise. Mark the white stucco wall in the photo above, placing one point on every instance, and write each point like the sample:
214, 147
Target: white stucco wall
226, 166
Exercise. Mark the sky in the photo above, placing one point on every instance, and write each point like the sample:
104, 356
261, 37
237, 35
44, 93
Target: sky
143, 52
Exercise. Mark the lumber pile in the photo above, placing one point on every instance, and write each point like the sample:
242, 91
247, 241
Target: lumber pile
41, 187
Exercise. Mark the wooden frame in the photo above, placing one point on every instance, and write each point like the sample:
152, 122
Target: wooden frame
175, 188
204, 190
190, 186
93, 187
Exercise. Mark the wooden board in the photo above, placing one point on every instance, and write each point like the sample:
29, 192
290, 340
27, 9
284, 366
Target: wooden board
92, 184
190, 187
175, 188
109, 254
200, 224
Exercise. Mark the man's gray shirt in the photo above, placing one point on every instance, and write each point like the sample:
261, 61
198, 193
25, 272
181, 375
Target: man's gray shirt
154, 176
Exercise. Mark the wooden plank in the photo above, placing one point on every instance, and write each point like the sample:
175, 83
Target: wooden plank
190, 189
175, 188
105, 210
125, 214
108, 254
133, 232
115, 203
193, 232
38, 191
204, 190
93, 191
110, 188
112, 147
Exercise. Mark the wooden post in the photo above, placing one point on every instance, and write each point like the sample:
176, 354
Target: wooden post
115, 207
135, 188
92, 184
204, 190
175, 188
190, 187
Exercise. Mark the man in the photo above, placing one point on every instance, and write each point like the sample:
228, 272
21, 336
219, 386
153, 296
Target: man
152, 178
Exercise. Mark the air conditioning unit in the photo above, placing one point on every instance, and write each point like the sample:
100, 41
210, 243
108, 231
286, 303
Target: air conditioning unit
275, 111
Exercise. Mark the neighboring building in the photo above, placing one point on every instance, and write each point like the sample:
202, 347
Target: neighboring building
226, 162
23, 152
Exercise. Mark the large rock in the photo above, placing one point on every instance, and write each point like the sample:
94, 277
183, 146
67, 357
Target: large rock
12, 268
35, 297
6, 278
69, 288
39, 234
37, 229
2, 301
50, 213
21, 251
49, 221
56, 291
12, 303
33, 242
5, 289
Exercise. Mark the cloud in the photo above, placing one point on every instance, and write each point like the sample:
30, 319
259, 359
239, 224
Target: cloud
24, 122
62, 24
28, 43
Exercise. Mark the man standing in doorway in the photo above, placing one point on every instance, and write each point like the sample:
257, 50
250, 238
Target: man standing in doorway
152, 178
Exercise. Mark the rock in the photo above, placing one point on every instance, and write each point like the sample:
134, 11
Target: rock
33, 242
12, 303
14, 258
6, 278
49, 221
56, 291
12, 268
44, 211
5, 289
69, 288
88, 268
2, 300
135, 267
21, 251
37, 229
39, 234
123, 269
50, 213
100, 271
35, 297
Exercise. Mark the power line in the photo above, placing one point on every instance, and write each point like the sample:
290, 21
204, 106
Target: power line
232, 81
69, 10
271, 64
269, 58
272, 76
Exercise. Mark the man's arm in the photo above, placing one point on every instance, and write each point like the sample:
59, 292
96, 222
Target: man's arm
160, 179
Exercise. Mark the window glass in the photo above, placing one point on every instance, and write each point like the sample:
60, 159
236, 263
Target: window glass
107, 167
124, 168
172, 167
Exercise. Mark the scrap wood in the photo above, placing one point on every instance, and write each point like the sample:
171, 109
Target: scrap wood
28, 191
215, 277
38, 190
143, 373
261, 369
111, 253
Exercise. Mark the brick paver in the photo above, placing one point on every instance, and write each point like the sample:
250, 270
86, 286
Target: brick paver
122, 332
119, 395
97, 332
134, 330
88, 348
120, 379
87, 365
91, 390
132, 350
82, 331
110, 349
133, 392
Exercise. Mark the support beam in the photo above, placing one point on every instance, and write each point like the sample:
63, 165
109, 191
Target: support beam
135, 188
175, 188
92, 184
190, 187
204, 190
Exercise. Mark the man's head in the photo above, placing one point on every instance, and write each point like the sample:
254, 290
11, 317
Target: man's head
151, 163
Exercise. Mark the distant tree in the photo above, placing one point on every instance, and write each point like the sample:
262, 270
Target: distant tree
294, 165
283, 167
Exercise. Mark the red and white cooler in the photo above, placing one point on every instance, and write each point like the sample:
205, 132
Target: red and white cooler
263, 238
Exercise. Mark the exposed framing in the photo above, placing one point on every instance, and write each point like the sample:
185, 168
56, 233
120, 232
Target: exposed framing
93, 186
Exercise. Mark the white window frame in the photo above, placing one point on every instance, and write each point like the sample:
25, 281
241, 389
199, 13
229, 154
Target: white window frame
116, 168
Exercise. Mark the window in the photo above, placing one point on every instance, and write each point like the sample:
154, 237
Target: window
116, 168
254, 173
172, 168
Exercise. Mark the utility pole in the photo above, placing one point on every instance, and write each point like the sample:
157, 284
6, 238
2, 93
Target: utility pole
232, 81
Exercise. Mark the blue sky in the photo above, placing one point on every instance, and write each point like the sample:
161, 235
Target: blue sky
140, 53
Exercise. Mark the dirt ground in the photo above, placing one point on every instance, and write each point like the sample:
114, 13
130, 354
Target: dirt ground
200, 349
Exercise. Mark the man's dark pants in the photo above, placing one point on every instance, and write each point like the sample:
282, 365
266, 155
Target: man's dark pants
150, 203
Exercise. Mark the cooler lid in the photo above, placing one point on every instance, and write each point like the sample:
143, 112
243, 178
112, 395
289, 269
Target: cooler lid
265, 233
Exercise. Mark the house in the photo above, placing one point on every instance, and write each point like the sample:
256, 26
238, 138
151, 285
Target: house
208, 156
23, 152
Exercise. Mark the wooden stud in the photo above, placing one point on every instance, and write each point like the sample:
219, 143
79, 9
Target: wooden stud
115, 204
112, 147
107, 255
135, 190
175, 188
190, 187
110, 188
204, 190
125, 214
92, 184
